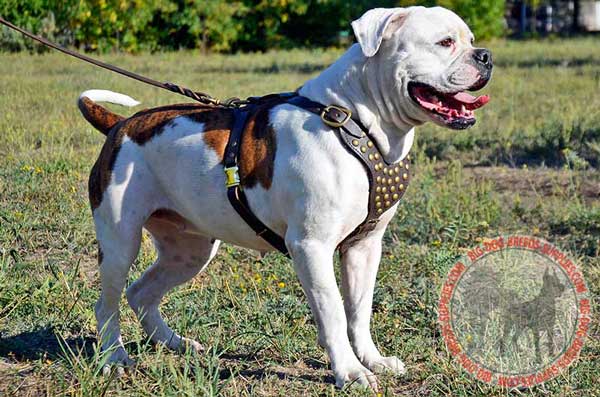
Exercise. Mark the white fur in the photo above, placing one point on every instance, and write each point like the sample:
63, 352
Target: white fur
319, 192
109, 96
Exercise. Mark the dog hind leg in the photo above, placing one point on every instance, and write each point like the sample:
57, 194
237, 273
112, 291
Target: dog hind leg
182, 254
118, 249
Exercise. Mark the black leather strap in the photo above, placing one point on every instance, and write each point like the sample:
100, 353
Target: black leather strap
240, 115
239, 202
235, 194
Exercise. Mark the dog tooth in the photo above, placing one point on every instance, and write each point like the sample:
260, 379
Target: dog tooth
463, 109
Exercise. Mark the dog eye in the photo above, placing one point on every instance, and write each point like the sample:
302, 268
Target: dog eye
447, 42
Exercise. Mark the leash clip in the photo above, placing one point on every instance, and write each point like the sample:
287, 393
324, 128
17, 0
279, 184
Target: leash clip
335, 116
232, 176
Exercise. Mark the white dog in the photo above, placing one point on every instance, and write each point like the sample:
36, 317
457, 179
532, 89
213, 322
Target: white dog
161, 170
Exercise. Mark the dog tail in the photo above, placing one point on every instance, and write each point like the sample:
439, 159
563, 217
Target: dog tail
99, 117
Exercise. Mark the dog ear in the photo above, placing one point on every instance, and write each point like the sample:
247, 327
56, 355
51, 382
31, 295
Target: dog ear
377, 25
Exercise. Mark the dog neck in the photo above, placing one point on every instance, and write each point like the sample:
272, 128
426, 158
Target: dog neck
354, 82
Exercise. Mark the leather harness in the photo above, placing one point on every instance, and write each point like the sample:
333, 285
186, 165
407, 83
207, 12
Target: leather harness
387, 182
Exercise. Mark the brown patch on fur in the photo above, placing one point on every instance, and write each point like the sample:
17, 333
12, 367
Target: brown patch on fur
102, 169
99, 117
217, 127
148, 123
165, 217
257, 155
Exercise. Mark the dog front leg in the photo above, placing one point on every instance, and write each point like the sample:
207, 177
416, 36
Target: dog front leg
313, 261
360, 263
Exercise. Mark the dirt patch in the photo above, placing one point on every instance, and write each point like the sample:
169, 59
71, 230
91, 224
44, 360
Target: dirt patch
539, 182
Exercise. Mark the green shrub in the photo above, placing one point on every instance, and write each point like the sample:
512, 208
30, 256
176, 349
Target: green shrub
484, 17
218, 25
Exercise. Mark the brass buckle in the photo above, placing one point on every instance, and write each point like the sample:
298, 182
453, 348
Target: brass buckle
232, 176
332, 123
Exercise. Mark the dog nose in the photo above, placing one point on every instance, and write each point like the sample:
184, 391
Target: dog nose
483, 57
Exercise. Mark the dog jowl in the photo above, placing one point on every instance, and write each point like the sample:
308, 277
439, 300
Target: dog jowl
162, 170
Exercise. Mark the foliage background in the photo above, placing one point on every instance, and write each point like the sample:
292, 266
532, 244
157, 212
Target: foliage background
216, 25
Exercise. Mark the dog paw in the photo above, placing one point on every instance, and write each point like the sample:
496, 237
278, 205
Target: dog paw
357, 375
118, 361
387, 364
181, 344
187, 344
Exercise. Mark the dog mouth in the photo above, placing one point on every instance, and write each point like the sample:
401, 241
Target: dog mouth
453, 110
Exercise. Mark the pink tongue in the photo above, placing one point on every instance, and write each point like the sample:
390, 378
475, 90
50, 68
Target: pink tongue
472, 101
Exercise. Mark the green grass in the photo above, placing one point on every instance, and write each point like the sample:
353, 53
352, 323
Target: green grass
529, 166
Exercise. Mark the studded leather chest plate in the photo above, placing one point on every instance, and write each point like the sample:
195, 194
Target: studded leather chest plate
387, 182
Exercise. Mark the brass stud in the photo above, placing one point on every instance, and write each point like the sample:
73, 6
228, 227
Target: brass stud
387, 203
355, 142
371, 157
384, 189
376, 156
386, 196
401, 187
385, 170
363, 149
405, 176
395, 196
408, 157
393, 189
378, 189
379, 211
401, 164
378, 198
397, 179
390, 181
370, 144
406, 166
378, 179
378, 205
397, 169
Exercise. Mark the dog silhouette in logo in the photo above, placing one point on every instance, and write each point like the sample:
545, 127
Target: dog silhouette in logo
537, 314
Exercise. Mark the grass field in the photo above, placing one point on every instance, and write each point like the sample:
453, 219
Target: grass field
529, 166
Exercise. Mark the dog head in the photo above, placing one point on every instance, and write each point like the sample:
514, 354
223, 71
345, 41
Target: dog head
423, 63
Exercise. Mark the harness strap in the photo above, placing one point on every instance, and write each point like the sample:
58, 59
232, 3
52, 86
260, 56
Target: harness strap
235, 194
